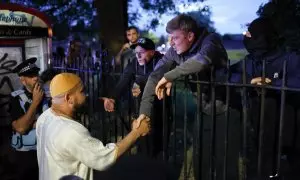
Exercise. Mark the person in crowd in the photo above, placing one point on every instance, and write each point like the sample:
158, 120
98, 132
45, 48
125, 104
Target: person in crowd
25, 108
193, 49
263, 44
126, 53
45, 79
74, 58
135, 75
136, 72
196, 52
64, 146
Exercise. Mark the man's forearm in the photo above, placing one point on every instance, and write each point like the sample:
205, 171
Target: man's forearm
127, 142
148, 97
118, 57
188, 67
22, 124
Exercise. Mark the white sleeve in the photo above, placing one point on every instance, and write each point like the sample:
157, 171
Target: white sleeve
90, 151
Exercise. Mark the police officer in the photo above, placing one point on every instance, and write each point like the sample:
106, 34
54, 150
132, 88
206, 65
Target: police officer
25, 107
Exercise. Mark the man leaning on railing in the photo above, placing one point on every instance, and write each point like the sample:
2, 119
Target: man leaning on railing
194, 50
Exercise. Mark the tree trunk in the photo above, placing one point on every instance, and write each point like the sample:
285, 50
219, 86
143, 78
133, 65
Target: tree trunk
113, 20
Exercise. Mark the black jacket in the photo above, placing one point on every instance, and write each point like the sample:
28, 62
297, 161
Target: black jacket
133, 72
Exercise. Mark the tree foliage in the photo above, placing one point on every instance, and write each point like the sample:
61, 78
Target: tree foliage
202, 17
72, 16
285, 15
157, 8
149, 35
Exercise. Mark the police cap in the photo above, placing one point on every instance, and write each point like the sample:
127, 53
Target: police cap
27, 68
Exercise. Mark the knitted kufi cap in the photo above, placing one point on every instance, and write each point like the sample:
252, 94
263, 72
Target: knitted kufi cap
62, 83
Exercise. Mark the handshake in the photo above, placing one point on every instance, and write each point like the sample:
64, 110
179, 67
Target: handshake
141, 125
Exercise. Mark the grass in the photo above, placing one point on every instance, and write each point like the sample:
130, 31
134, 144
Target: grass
236, 54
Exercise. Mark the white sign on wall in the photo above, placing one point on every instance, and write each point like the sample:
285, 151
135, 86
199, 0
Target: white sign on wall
10, 57
37, 48
18, 18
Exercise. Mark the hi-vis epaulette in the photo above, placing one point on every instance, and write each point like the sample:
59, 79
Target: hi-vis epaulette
17, 93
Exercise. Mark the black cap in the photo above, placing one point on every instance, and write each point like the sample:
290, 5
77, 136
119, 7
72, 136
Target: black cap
27, 68
145, 43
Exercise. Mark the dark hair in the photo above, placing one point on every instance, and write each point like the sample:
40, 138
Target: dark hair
133, 27
138, 167
48, 75
60, 51
182, 22
70, 177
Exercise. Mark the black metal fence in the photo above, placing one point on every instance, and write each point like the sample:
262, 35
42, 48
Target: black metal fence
225, 130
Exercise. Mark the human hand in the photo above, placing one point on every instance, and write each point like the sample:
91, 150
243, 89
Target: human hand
126, 46
136, 92
109, 104
37, 94
143, 126
161, 86
259, 81
139, 120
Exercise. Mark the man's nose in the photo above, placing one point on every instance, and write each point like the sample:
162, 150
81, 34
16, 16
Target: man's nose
172, 42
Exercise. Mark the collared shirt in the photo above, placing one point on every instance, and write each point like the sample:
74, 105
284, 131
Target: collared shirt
65, 147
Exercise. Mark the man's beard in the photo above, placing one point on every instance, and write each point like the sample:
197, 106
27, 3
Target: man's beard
80, 108
31, 86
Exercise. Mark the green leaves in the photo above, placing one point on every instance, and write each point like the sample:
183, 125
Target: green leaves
285, 15
156, 8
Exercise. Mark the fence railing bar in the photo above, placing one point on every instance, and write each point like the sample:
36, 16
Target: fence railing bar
262, 120
199, 131
174, 121
246, 85
185, 132
164, 128
281, 121
226, 124
245, 123
213, 172
76, 69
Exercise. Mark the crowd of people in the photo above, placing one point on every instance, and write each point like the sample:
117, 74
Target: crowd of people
49, 143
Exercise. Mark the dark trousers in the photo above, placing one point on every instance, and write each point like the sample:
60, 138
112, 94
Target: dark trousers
26, 165
290, 140
152, 144
233, 147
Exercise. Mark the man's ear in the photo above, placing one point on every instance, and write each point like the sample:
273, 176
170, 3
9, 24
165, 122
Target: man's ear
22, 79
68, 98
191, 36
152, 53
